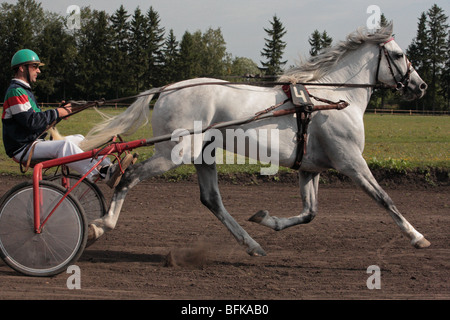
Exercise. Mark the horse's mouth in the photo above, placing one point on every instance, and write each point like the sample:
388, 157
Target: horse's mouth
410, 94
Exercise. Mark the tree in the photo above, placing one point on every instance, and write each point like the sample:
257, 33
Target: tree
437, 33
19, 26
55, 81
154, 43
202, 54
171, 59
428, 53
187, 56
274, 48
113, 56
315, 43
383, 21
137, 50
418, 52
120, 75
214, 53
94, 54
318, 42
326, 40
244, 66
445, 77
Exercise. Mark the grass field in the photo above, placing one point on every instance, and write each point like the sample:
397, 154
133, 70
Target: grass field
392, 141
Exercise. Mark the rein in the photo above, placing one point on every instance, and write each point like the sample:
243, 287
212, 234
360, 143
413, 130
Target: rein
82, 105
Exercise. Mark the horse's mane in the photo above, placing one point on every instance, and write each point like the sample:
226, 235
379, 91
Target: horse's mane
318, 66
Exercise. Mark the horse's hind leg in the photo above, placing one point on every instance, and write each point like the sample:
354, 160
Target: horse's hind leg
210, 197
309, 184
360, 173
154, 166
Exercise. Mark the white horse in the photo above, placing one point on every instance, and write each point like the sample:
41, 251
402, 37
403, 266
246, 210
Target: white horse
335, 137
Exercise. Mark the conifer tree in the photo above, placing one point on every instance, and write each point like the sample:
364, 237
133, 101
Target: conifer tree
437, 32
445, 78
94, 48
137, 49
319, 41
274, 48
154, 42
55, 80
171, 59
120, 75
417, 53
187, 56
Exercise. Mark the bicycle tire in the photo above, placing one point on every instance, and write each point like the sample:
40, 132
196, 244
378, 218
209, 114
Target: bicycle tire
63, 237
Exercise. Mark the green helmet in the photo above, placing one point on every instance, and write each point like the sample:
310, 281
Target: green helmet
25, 56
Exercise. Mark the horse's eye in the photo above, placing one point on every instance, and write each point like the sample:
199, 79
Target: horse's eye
399, 55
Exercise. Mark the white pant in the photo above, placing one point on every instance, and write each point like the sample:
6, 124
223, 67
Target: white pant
61, 148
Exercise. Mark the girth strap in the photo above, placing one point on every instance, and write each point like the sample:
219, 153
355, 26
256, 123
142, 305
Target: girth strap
303, 108
303, 119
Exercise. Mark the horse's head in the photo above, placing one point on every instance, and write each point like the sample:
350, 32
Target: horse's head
394, 69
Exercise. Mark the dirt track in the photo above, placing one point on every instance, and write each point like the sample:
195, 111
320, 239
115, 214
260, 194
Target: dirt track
326, 259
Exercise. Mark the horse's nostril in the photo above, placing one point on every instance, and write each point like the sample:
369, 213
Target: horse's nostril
423, 86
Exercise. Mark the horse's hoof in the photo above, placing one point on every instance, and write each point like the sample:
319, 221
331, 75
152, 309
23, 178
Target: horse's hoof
92, 235
257, 252
259, 216
422, 243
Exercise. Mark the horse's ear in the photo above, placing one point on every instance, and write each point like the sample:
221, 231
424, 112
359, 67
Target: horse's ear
389, 28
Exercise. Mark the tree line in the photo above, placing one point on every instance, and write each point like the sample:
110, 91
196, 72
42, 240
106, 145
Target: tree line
122, 54
430, 55
110, 56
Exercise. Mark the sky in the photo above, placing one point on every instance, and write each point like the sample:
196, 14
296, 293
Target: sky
242, 22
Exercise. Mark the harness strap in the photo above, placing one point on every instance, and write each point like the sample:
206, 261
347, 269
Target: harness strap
404, 80
303, 109
30, 148
303, 119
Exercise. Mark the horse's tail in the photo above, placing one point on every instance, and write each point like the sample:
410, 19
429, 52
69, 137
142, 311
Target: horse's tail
54, 134
125, 123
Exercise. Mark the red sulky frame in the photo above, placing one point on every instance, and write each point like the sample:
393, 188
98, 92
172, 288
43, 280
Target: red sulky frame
118, 148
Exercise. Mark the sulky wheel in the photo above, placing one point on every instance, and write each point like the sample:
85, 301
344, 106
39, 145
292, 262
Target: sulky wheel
63, 237
88, 194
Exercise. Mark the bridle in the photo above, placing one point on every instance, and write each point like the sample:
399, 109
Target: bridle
404, 80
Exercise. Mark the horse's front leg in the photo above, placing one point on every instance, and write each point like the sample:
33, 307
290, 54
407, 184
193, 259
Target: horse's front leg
309, 184
361, 174
210, 197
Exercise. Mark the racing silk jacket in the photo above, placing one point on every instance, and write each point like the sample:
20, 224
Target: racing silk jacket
22, 119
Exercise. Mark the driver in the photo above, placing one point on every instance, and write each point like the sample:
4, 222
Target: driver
24, 124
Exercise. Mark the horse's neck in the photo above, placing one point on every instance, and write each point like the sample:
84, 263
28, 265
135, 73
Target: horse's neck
357, 67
